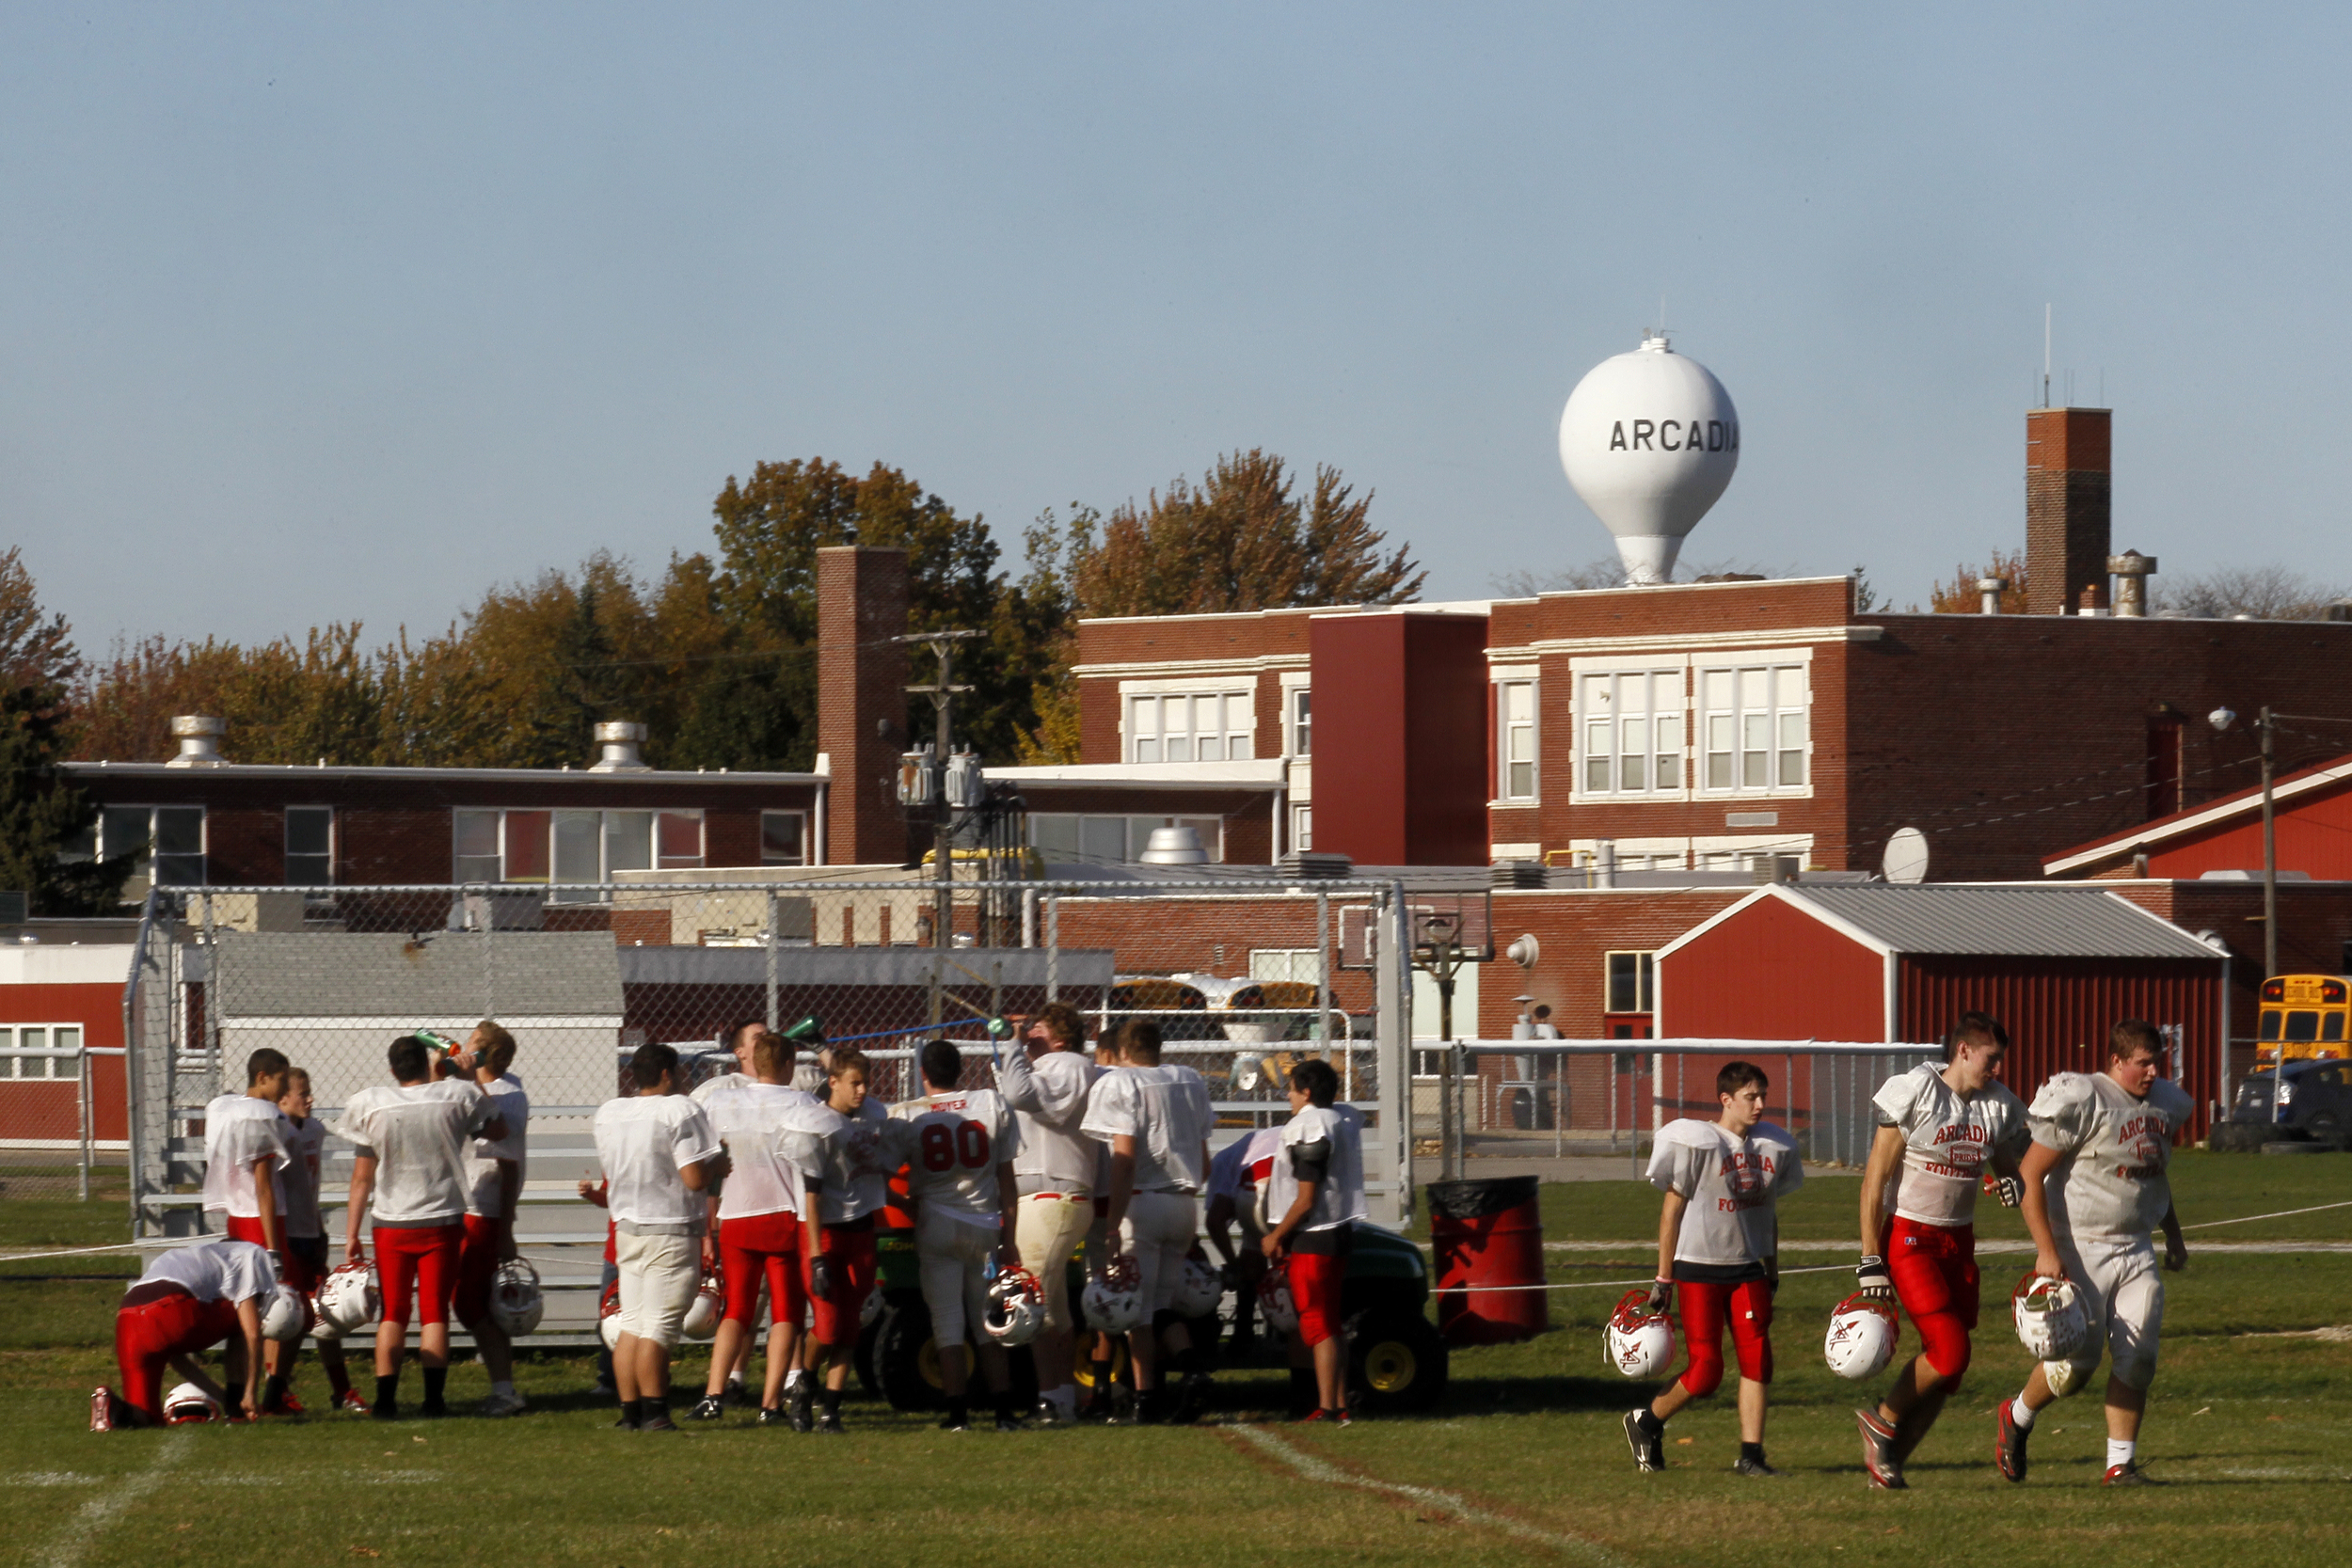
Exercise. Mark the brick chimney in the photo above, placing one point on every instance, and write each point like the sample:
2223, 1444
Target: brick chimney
2067, 475
861, 700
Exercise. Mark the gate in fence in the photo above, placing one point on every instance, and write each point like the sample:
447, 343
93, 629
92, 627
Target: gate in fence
1242, 976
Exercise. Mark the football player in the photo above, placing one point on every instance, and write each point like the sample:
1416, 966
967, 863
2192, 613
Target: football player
1157, 1120
1045, 1081
408, 1174
1234, 1178
846, 1146
658, 1153
962, 1144
757, 1214
740, 1037
245, 1155
494, 1183
1719, 1257
189, 1300
2096, 1191
306, 1248
1317, 1184
1940, 1130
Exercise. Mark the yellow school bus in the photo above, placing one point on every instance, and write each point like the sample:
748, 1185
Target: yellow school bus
2305, 1016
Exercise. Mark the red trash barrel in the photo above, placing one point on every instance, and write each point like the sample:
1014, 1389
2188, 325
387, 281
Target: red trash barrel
1488, 1236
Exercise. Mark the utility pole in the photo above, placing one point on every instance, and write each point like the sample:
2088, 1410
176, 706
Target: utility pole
2268, 725
942, 692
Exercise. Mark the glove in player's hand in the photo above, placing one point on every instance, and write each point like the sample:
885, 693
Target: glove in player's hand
820, 1279
2008, 1189
1659, 1291
1870, 1276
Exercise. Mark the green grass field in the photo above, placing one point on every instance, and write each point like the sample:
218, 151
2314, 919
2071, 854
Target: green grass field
1525, 1463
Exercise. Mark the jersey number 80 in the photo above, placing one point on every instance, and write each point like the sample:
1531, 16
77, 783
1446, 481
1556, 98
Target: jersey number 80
967, 1145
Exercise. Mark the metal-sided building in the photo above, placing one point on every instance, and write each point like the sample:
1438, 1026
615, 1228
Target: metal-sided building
1877, 961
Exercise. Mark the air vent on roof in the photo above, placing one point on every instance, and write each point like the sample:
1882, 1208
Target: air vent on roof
1516, 874
1309, 862
618, 744
199, 741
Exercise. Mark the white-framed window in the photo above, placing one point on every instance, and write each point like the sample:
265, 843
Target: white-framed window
1630, 726
309, 846
1514, 733
36, 1038
170, 840
493, 845
1753, 728
1191, 726
1626, 983
1299, 702
783, 838
1088, 839
1303, 826
1303, 964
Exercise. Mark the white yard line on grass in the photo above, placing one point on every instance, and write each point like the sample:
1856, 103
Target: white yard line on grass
1313, 1468
1650, 1245
83, 1529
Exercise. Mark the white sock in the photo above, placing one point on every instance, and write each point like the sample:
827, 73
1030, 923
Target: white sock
734, 1380
2020, 1414
794, 1378
507, 1388
2119, 1450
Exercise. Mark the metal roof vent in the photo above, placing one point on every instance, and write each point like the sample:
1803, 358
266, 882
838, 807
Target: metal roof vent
1174, 846
618, 744
199, 741
2131, 571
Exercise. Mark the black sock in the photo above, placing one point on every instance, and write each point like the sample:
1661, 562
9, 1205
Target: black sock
1751, 1450
338, 1379
632, 1412
833, 1401
435, 1380
957, 1412
388, 1393
275, 1389
1650, 1422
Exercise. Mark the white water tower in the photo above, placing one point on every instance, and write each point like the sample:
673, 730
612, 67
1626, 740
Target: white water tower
1649, 439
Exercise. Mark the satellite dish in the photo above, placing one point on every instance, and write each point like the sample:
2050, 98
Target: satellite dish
1649, 439
1906, 856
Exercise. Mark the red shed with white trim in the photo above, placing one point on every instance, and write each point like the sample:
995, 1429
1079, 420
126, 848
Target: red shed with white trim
2058, 965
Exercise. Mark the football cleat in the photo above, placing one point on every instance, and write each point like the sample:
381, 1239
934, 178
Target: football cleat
830, 1423
708, 1408
768, 1417
1649, 1447
1863, 1333
1753, 1467
1016, 1308
102, 1410
658, 1423
284, 1403
2052, 1324
1010, 1423
2008, 1443
1640, 1341
515, 1301
352, 1402
955, 1423
2128, 1475
737, 1394
1050, 1415
1878, 1453
498, 1405
1316, 1416
797, 1401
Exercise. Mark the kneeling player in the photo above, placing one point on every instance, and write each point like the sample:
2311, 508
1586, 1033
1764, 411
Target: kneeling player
2096, 1189
1939, 1129
1719, 1254
1316, 1183
189, 1300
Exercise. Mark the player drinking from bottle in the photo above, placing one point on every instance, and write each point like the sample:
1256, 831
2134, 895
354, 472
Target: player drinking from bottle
1046, 1079
2096, 1191
1719, 1257
1940, 1129
494, 1185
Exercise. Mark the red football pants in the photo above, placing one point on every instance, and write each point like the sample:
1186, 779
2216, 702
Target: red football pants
757, 1248
1315, 1278
477, 1267
426, 1257
1934, 1270
849, 1254
1705, 1308
148, 1336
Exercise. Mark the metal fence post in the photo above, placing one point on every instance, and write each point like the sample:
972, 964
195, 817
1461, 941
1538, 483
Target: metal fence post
1053, 948
82, 1096
773, 1021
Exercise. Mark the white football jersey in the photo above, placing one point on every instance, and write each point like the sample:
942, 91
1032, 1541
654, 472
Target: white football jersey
241, 1132
1048, 1097
851, 1156
1946, 1141
1340, 1197
222, 1270
1166, 1110
483, 1154
1730, 1185
751, 1120
418, 1136
643, 1142
955, 1142
299, 1189
2118, 1150
1233, 1169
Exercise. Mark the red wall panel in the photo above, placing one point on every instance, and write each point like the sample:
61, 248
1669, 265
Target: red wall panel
1770, 972
46, 1110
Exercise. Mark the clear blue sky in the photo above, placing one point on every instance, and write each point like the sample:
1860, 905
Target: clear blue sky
327, 312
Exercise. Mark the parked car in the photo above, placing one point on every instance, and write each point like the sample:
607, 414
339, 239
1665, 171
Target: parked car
2307, 1099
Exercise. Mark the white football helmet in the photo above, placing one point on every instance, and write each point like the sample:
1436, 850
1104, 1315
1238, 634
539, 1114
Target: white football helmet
1113, 1300
285, 1316
2051, 1323
710, 1304
1862, 1337
187, 1403
515, 1301
1198, 1291
1639, 1343
349, 1299
1016, 1308
609, 1316
1274, 1298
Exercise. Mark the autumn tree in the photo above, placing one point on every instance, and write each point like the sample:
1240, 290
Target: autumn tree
1961, 596
43, 813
